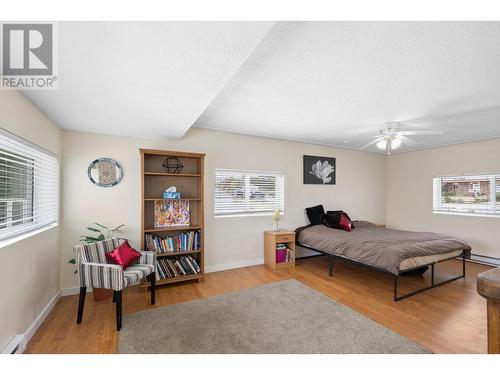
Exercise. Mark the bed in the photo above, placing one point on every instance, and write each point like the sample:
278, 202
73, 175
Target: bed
395, 252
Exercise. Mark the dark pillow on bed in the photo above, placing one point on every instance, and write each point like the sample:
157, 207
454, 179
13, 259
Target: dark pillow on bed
315, 214
334, 219
331, 220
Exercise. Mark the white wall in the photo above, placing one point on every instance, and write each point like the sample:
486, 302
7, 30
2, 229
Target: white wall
230, 242
409, 192
30, 274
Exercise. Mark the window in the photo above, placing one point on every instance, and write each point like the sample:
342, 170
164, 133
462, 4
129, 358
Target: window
239, 192
467, 195
29, 187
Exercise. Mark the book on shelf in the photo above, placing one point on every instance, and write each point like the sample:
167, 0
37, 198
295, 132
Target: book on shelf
182, 265
186, 241
283, 253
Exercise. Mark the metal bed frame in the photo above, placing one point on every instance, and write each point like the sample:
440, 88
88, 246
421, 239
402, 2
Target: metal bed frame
396, 297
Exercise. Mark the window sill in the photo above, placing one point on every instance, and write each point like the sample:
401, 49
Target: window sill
10, 241
466, 214
247, 214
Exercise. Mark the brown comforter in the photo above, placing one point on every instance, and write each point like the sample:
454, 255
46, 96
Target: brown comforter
379, 247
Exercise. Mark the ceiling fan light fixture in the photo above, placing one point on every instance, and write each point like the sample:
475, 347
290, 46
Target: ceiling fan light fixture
396, 143
390, 137
382, 144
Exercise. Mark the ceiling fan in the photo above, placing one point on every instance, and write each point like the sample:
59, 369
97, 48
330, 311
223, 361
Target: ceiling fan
390, 137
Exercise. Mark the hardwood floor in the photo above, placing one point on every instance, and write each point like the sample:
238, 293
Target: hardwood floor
448, 319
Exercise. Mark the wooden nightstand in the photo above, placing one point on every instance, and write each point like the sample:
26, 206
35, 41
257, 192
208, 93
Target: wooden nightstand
271, 239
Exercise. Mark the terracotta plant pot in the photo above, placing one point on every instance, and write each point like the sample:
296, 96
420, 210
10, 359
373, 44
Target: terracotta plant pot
101, 294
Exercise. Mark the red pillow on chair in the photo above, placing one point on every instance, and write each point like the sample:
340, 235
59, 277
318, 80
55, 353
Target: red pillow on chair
123, 255
345, 223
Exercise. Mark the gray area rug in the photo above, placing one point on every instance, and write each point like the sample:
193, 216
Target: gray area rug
282, 317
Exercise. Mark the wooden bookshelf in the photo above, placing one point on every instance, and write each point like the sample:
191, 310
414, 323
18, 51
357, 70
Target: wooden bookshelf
154, 181
171, 229
164, 199
176, 279
172, 174
174, 253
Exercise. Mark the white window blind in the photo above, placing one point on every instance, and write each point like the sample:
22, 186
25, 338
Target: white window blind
29, 187
240, 192
477, 195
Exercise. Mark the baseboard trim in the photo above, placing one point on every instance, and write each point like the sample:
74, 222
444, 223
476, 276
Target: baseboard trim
483, 259
72, 291
228, 266
41, 317
76, 290
18, 343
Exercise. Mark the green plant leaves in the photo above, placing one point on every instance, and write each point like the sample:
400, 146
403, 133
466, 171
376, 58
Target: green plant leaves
102, 226
90, 239
72, 261
117, 228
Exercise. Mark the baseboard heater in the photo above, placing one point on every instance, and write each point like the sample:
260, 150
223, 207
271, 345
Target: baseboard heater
15, 346
483, 259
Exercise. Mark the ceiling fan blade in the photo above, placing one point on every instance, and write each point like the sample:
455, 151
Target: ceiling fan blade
406, 140
361, 139
420, 132
371, 143
475, 113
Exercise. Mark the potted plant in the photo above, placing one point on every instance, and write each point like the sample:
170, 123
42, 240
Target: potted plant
99, 232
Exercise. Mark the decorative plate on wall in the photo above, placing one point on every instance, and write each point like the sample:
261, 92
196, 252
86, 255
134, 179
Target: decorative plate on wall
105, 172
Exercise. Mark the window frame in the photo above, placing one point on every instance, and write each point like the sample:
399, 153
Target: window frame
490, 209
248, 174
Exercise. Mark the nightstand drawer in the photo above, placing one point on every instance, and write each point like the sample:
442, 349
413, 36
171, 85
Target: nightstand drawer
281, 238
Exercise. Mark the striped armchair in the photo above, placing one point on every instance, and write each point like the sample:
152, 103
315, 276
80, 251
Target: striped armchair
94, 271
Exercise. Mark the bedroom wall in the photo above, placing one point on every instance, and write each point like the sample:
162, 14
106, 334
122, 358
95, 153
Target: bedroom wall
30, 275
230, 242
409, 192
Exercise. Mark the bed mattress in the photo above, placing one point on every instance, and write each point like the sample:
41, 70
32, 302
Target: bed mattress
387, 249
416, 262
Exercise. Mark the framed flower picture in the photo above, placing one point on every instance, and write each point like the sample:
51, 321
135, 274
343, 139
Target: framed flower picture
319, 170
